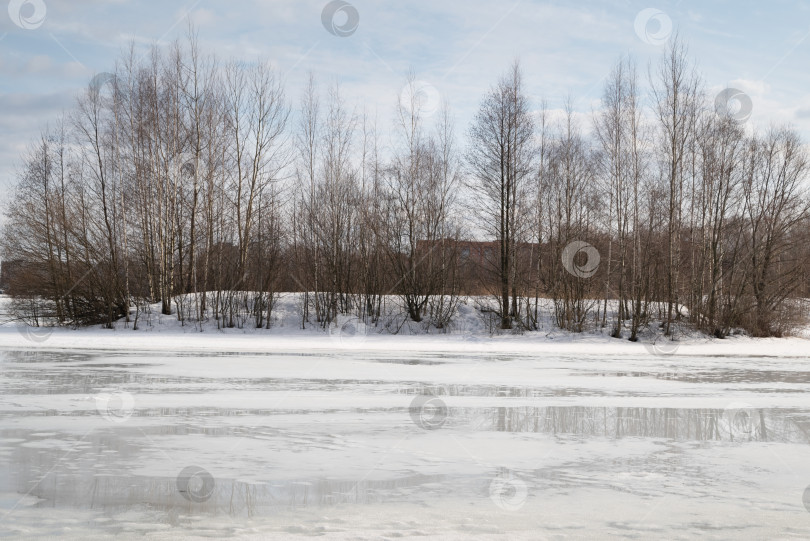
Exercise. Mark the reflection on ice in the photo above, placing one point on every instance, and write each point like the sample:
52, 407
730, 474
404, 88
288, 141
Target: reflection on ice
236, 497
679, 424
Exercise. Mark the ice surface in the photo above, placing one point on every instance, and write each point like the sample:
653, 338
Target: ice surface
500, 440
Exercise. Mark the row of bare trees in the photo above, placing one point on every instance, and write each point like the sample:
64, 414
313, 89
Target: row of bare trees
204, 187
669, 210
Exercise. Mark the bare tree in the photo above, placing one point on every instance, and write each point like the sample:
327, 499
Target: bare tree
676, 91
501, 161
775, 207
422, 186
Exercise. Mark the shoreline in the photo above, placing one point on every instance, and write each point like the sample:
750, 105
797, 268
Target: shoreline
279, 340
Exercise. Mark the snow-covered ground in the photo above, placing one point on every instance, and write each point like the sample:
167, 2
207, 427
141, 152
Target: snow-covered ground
169, 433
470, 331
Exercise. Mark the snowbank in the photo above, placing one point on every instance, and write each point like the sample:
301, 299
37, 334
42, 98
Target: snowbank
470, 332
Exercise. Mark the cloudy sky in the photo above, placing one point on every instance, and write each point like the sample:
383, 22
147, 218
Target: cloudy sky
49, 49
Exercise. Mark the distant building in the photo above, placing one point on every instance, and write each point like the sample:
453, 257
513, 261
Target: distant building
7, 271
479, 261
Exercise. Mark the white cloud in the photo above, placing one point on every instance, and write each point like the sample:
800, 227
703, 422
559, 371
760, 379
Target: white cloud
38, 64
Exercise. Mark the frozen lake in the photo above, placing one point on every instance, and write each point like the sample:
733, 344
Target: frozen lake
380, 445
